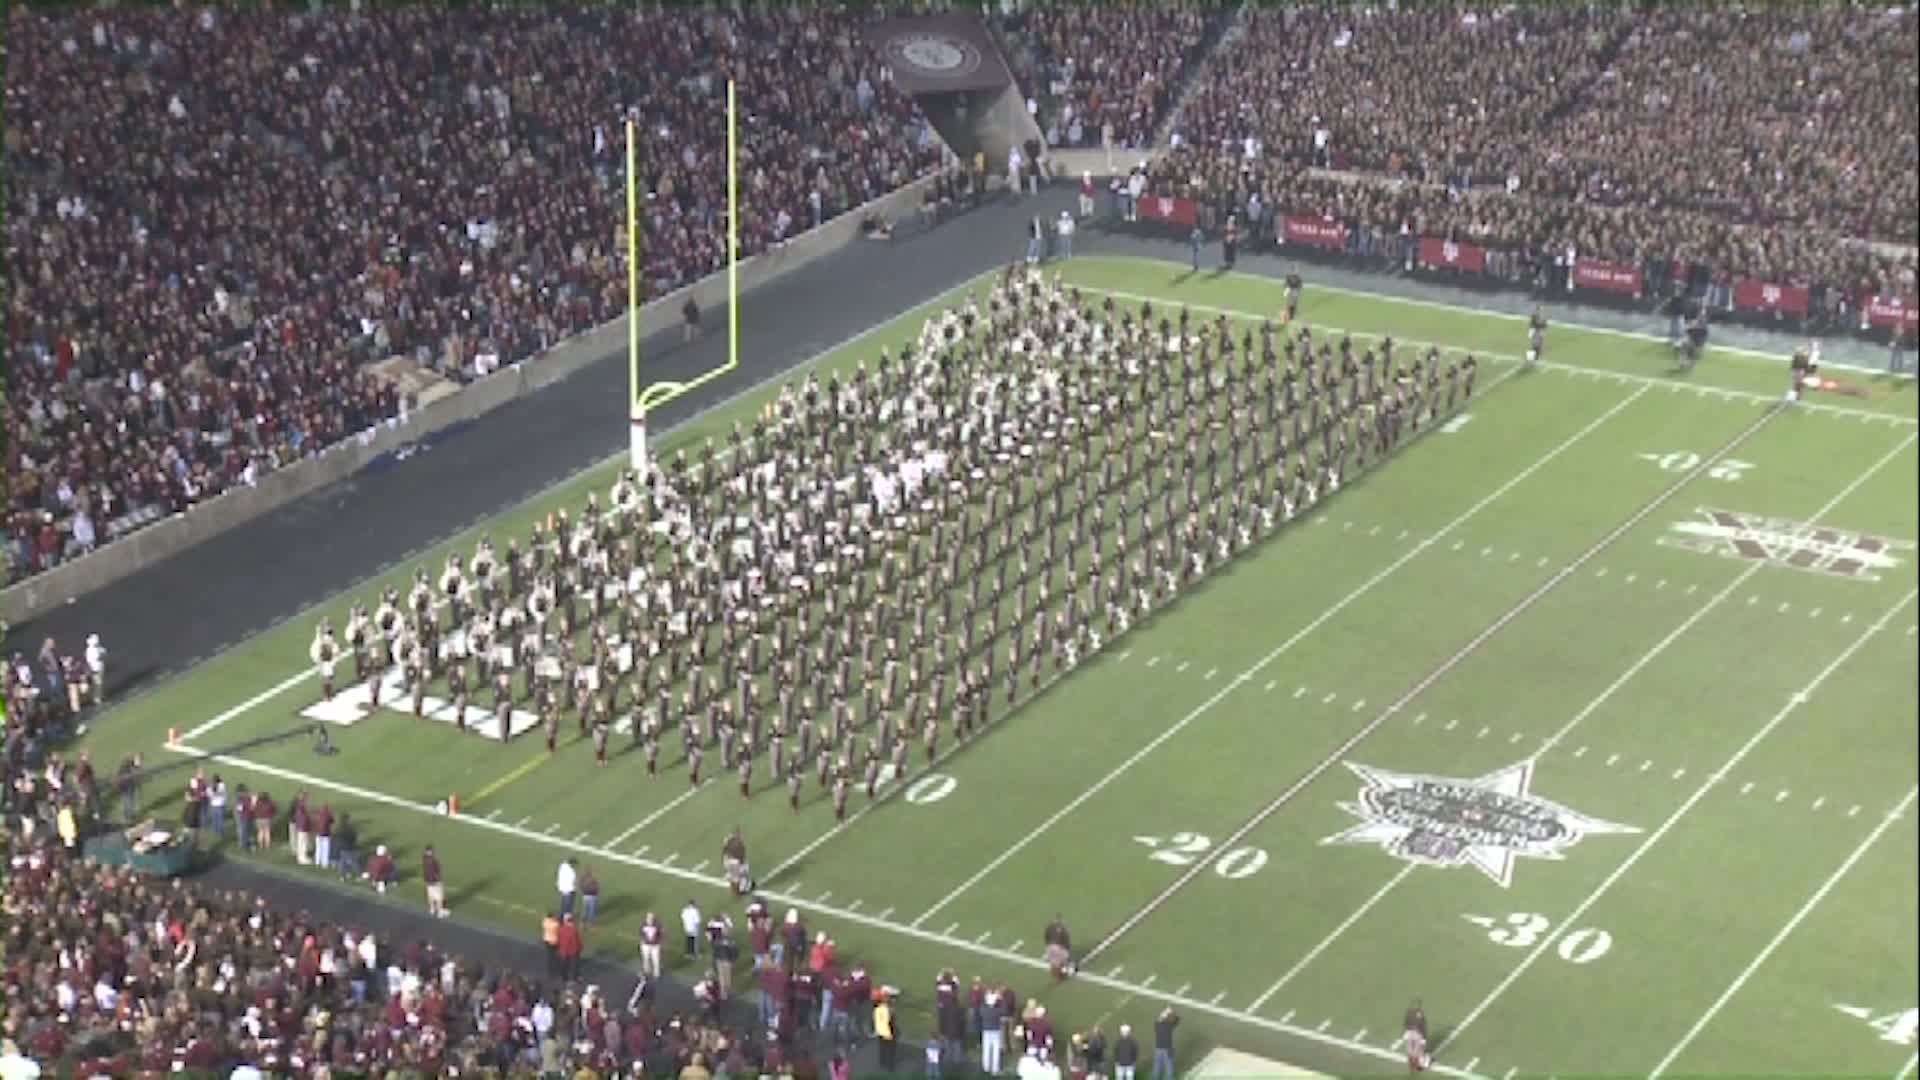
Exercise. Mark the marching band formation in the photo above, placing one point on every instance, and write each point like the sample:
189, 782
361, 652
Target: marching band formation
1020, 485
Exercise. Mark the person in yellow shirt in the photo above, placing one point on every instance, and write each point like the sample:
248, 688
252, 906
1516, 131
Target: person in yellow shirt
550, 934
883, 1031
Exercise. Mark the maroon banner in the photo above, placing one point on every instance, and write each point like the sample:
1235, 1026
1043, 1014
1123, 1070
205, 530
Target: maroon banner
1451, 255
1611, 277
1165, 208
1756, 295
1901, 311
1313, 232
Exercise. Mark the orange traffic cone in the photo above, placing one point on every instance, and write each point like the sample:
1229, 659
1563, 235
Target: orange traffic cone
453, 804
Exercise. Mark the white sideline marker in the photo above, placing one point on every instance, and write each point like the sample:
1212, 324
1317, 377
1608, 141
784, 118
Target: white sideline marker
823, 897
1647, 764
1361, 704
1483, 733
669, 858
982, 939
853, 905
699, 866
884, 912
1216, 998
1542, 562
1148, 981
1271, 683
1612, 760
582, 835
1184, 665
642, 850
1325, 1024
1819, 802
1420, 718
1182, 992
1452, 722
1115, 973
948, 932
1516, 737
1471, 1064
1581, 752
1746, 787
552, 829
1854, 810
1153, 661
1678, 773
1211, 672
1013, 948
1782, 797
493, 814
1288, 1019
1360, 1036
1300, 693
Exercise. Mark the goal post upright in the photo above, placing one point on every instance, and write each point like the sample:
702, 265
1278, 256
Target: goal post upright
636, 408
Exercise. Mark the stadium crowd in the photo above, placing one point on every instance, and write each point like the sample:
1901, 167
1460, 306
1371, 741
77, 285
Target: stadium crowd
216, 216
1638, 151
1089, 67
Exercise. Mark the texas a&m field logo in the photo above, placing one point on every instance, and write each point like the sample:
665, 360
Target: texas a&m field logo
1447, 822
1796, 544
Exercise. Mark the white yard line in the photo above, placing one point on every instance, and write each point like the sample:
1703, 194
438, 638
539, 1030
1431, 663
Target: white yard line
1799, 916
1612, 688
1010, 955
1284, 647
307, 672
1204, 862
1798, 699
1544, 365
657, 814
1907, 1069
1503, 316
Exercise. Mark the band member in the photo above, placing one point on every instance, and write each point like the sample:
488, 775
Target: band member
457, 689
325, 652
1414, 1039
733, 856
1059, 948
745, 769
796, 778
841, 786
601, 730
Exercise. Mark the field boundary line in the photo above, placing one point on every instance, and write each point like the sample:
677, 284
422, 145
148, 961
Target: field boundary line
1503, 316
1551, 741
1285, 646
1205, 861
1792, 924
1624, 377
1799, 698
308, 672
1033, 963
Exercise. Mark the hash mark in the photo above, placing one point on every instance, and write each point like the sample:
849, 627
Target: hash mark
1288, 1019
884, 913
1819, 802
1678, 773
1483, 733
1582, 752
1647, 764
1752, 600
1182, 992
493, 814
1514, 738
1117, 969
823, 897
1783, 608
1361, 704
948, 932
1782, 797
1693, 588
582, 835
1325, 1024
1661, 584
1360, 1036
1600, 573
1631, 578
1542, 562
1346, 526
1509, 1074
1375, 531
1485, 552
1514, 557
1153, 661
642, 850
1148, 981
1300, 693
522, 823
1184, 665
697, 867
1472, 1063
1452, 723
1271, 683
1211, 672
1420, 719
1124, 654
551, 829
1013, 948
1847, 618
1458, 544
1328, 700
1613, 760
1815, 613
853, 905
1746, 787
1402, 536
982, 939
668, 860
1854, 810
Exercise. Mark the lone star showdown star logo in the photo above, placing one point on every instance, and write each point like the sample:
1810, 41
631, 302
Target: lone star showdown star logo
1446, 822
934, 54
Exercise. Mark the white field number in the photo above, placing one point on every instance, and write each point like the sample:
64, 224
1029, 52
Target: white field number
1181, 849
930, 788
1894, 1027
1523, 930
1679, 461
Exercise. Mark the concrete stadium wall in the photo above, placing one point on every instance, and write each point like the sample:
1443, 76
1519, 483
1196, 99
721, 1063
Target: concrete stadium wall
126, 555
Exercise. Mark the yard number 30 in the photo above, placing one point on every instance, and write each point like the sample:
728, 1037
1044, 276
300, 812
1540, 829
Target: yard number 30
1524, 929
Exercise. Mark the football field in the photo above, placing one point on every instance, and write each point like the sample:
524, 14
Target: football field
1589, 719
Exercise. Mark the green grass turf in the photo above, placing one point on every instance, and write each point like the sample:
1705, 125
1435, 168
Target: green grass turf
1496, 593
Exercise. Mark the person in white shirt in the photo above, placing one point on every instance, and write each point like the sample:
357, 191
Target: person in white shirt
96, 657
1065, 231
690, 924
565, 880
1014, 163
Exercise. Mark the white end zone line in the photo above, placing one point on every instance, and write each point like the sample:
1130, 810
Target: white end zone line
307, 672
1799, 916
1799, 698
1593, 706
1241, 679
847, 914
1628, 378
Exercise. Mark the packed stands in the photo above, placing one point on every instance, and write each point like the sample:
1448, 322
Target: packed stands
1092, 65
215, 216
